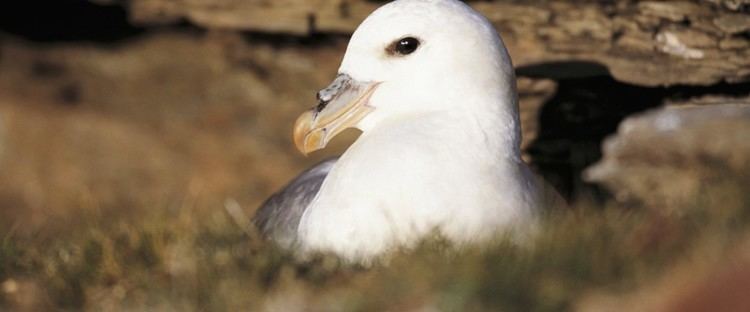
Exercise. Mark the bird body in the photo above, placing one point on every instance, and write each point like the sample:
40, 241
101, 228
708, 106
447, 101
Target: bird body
385, 191
431, 86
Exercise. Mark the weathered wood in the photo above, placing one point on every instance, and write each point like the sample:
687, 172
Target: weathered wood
649, 43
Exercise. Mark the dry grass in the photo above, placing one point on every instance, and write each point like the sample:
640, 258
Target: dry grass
200, 258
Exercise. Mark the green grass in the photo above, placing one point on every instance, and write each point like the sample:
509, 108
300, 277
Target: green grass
202, 260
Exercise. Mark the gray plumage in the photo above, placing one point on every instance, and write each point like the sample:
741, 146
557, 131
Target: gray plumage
278, 217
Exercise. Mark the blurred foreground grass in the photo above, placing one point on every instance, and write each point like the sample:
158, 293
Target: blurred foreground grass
202, 258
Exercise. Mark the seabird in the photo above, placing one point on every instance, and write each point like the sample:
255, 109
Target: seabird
431, 86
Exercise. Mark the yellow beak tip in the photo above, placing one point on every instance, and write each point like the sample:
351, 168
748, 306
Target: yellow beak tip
302, 128
313, 129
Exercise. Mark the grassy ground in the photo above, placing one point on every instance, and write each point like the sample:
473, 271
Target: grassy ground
200, 258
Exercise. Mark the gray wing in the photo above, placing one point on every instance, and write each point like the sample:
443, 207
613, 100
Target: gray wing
278, 218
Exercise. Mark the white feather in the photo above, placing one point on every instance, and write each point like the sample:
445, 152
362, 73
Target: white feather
440, 152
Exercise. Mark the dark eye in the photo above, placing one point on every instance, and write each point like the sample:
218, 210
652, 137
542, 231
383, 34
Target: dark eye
404, 46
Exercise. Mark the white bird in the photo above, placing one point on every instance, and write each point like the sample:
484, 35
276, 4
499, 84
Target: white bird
432, 88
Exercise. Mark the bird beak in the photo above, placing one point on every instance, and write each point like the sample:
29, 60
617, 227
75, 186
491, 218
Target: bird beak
341, 105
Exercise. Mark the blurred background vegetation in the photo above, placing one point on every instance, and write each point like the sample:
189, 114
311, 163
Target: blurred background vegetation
137, 137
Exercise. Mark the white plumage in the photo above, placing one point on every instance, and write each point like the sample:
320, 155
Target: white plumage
440, 144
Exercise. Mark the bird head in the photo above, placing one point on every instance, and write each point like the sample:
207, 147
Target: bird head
409, 57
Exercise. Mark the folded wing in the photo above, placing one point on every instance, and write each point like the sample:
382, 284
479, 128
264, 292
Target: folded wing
278, 218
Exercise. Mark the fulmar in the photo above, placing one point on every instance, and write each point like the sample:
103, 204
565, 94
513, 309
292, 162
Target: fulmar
431, 86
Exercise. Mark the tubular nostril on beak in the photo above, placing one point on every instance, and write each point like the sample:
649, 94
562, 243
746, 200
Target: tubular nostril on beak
342, 82
321, 105
322, 102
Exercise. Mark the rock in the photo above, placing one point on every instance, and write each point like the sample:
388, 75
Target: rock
733, 23
729, 44
734, 5
674, 11
298, 17
673, 157
621, 35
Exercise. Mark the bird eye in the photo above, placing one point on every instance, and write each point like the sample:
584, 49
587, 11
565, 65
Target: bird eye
403, 46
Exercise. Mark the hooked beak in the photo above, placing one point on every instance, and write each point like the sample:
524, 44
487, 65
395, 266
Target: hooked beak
341, 105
